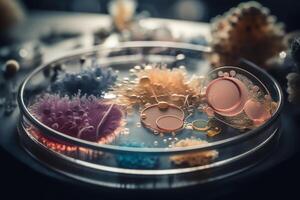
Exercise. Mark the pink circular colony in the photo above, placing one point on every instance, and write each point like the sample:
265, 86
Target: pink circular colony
223, 94
155, 118
227, 95
169, 123
256, 111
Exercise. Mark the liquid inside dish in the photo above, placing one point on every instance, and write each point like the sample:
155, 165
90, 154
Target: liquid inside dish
153, 106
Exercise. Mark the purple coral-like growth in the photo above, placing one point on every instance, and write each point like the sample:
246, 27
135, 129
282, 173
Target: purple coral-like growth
84, 117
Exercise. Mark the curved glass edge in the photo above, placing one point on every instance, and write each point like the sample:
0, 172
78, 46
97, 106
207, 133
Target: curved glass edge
201, 49
27, 138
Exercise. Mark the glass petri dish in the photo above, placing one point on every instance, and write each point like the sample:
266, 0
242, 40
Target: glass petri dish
139, 158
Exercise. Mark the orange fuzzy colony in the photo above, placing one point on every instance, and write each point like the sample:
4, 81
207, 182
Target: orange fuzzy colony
193, 159
247, 31
157, 83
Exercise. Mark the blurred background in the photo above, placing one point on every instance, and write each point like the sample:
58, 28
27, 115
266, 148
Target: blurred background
196, 10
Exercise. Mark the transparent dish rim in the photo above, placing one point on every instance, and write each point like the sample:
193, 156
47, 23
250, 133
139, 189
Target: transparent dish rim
113, 148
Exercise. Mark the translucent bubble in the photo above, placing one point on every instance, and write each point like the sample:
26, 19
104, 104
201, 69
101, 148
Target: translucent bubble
232, 73
182, 67
180, 57
156, 132
137, 67
255, 88
55, 126
148, 67
126, 131
220, 73
132, 71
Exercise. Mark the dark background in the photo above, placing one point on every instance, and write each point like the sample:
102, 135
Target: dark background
19, 181
287, 11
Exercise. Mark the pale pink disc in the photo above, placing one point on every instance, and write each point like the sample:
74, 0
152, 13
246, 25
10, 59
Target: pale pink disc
227, 96
169, 123
151, 114
256, 111
223, 94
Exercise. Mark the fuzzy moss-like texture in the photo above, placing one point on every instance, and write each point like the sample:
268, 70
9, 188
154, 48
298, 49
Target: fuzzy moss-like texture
94, 80
154, 83
84, 117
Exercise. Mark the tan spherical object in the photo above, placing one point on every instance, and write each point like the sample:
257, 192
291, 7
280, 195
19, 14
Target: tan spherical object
143, 116
133, 97
144, 80
162, 105
11, 67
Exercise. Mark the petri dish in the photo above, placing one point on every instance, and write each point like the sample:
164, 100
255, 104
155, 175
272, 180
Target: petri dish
138, 157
